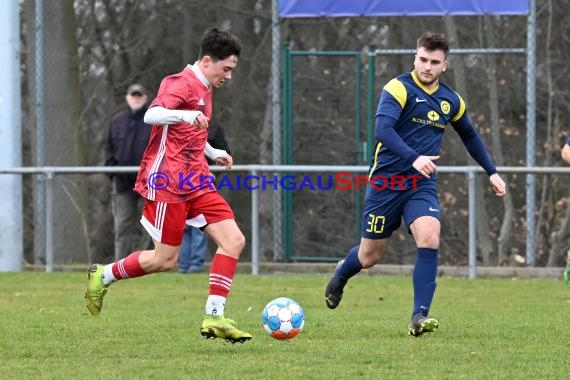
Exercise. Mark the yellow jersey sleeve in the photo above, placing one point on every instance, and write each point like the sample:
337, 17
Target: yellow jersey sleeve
397, 90
461, 109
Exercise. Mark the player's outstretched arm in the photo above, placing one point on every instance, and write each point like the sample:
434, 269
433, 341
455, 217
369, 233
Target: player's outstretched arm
163, 116
499, 186
474, 144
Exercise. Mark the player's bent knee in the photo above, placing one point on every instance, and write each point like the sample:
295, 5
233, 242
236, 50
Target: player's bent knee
368, 260
238, 243
241, 242
234, 245
368, 263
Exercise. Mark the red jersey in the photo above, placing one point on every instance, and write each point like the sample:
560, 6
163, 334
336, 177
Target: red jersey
173, 167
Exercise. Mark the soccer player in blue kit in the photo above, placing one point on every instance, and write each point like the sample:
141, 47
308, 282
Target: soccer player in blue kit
412, 114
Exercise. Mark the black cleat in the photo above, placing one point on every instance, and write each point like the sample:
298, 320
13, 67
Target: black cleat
334, 289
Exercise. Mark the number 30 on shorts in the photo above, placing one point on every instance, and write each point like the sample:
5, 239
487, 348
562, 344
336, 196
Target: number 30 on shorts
376, 223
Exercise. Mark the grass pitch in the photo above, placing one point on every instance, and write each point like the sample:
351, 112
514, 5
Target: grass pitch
149, 329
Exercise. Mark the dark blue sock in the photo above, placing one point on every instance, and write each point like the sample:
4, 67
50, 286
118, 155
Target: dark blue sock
425, 272
351, 265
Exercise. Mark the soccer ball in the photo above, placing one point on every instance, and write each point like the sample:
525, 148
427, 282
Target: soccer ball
283, 318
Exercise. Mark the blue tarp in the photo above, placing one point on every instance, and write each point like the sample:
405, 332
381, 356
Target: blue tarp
349, 8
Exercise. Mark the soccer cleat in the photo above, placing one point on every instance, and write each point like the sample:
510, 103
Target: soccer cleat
422, 324
221, 327
96, 290
334, 289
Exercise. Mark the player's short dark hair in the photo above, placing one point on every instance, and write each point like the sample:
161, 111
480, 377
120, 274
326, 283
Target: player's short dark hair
219, 44
434, 41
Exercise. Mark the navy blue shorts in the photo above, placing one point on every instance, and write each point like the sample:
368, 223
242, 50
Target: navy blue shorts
384, 209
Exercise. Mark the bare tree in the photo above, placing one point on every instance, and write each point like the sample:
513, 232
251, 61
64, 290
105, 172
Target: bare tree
485, 244
557, 235
505, 234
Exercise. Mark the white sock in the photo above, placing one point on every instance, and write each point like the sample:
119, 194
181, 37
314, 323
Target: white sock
215, 305
108, 277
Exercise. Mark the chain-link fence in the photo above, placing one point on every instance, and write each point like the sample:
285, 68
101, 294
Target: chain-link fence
75, 73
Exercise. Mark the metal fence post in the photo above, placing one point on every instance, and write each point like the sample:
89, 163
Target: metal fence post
472, 224
531, 135
277, 127
40, 155
49, 221
254, 227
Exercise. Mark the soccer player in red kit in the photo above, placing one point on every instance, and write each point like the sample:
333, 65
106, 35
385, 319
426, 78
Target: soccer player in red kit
171, 179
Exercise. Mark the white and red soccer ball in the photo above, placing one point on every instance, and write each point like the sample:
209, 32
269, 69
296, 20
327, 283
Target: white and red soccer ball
283, 318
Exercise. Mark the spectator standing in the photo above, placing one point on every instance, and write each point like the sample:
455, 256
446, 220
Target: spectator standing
126, 142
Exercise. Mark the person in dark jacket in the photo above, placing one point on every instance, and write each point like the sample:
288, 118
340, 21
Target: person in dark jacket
126, 142
194, 244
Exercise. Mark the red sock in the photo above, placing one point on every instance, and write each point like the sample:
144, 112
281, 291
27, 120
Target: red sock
222, 274
128, 267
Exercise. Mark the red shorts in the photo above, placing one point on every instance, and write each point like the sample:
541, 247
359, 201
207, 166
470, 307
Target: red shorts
165, 222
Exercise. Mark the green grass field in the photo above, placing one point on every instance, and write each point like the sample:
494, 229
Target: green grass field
149, 329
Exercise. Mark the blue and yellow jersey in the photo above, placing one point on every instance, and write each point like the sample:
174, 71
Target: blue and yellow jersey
422, 116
